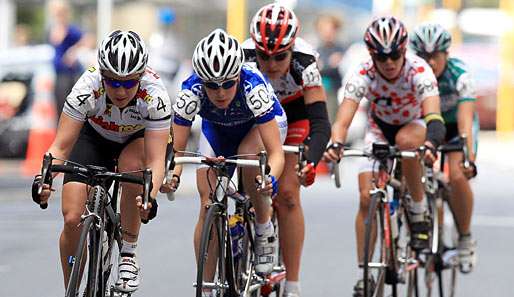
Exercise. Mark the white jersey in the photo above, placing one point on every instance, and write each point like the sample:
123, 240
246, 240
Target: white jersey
397, 102
150, 109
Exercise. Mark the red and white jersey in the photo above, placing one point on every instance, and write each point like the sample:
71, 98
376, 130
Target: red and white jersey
303, 72
397, 102
150, 109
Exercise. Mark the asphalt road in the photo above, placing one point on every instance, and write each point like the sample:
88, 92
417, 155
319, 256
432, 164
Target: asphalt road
29, 237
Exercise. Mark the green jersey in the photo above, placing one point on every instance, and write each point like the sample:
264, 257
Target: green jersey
455, 86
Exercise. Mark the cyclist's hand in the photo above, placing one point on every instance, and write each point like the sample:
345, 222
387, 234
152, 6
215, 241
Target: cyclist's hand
307, 175
271, 188
430, 154
470, 171
334, 152
41, 199
171, 184
150, 212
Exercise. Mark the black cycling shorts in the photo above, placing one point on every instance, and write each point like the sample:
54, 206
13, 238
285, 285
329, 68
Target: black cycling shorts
389, 131
93, 149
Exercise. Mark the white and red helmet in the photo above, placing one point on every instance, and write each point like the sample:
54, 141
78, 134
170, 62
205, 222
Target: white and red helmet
385, 35
274, 29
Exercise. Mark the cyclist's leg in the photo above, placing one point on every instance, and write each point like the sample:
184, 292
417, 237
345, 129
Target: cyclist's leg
130, 159
461, 203
265, 240
290, 213
461, 200
290, 218
74, 197
252, 144
88, 150
411, 137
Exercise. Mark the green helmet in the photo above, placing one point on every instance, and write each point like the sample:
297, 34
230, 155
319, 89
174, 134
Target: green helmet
430, 38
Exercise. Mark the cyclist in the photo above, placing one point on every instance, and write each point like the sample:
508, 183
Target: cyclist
457, 91
290, 64
240, 114
116, 111
402, 89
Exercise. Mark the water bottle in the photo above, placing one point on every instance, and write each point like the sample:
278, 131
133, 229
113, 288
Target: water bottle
394, 217
237, 231
170, 194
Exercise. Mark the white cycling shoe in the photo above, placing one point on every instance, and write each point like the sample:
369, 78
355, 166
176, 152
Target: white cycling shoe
467, 255
128, 275
265, 251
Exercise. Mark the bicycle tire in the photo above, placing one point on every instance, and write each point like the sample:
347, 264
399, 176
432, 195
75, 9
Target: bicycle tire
212, 229
368, 277
74, 282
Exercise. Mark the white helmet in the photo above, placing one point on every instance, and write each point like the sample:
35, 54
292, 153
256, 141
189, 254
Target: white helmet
429, 38
123, 53
218, 57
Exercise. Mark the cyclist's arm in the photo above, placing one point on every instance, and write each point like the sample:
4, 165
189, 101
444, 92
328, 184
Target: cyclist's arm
270, 135
155, 154
67, 134
344, 118
180, 134
319, 135
466, 110
465, 113
436, 130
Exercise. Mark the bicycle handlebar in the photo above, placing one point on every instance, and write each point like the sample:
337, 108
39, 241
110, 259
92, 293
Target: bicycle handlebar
92, 171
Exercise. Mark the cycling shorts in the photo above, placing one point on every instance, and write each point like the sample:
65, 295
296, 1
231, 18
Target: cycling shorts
216, 140
93, 149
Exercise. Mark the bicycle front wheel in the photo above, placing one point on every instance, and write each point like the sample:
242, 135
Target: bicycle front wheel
77, 285
374, 266
211, 272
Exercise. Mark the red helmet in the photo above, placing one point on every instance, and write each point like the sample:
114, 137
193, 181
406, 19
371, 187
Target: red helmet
274, 29
385, 35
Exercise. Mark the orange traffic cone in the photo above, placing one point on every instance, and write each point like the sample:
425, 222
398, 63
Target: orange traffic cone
41, 135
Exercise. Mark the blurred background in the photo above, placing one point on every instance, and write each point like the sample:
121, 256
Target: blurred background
45, 45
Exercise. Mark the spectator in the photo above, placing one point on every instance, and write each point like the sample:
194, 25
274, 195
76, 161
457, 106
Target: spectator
65, 38
331, 53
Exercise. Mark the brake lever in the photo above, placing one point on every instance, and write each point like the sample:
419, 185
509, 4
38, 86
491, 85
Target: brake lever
45, 176
263, 163
147, 187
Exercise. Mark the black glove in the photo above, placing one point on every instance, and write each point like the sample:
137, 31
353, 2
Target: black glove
153, 211
35, 189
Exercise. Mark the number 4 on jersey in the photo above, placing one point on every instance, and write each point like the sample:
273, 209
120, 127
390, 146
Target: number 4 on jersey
161, 104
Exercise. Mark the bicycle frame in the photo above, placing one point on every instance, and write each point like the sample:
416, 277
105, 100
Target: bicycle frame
100, 215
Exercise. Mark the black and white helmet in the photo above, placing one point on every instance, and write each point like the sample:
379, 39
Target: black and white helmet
218, 57
123, 53
429, 38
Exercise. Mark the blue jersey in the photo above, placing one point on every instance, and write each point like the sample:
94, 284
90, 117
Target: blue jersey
254, 102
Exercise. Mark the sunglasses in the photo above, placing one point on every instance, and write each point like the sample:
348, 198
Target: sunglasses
224, 85
126, 84
427, 56
394, 56
279, 57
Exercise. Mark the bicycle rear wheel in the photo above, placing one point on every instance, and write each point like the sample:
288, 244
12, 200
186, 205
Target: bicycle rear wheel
212, 252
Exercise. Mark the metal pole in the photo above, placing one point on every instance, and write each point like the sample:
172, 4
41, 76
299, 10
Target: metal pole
237, 19
104, 18
505, 99
7, 22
